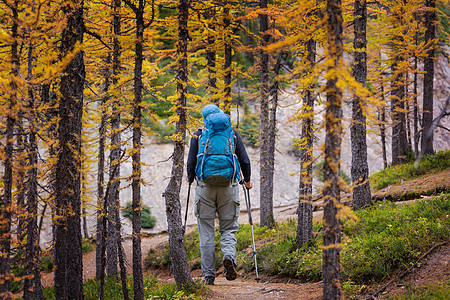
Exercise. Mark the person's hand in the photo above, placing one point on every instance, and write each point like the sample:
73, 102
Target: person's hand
248, 184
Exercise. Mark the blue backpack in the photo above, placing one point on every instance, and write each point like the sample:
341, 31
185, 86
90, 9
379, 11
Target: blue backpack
217, 163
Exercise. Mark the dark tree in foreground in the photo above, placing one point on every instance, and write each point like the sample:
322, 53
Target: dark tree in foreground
360, 168
6, 201
172, 193
333, 129
68, 257
428, 67
305, 208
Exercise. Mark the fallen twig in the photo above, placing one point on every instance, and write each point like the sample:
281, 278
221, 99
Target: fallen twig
382, 289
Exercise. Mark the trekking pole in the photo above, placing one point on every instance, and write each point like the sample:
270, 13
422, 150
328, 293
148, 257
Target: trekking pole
187, 206
249, 209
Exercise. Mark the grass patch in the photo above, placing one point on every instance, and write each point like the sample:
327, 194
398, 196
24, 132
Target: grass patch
153, 289
394, 174
435, 291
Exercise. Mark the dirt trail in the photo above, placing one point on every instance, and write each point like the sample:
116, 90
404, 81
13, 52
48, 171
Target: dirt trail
435, 268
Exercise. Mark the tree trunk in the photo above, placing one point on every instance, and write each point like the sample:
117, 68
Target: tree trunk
333, 129
416, 106
266, 198
172, 192
114, 158
32, 287
360, 167
6, 205
211, 56
227, 57
305, 208
101, 171
273, 124
399, 138
68, 256
428, 67
136, 156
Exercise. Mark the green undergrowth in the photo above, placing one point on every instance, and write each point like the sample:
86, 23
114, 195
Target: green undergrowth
153, 289
430, 292
384, 240
394, 174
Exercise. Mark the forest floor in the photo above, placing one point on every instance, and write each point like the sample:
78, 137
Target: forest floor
433, 269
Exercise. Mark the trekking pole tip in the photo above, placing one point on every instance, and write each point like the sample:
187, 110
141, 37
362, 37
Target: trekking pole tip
257, 279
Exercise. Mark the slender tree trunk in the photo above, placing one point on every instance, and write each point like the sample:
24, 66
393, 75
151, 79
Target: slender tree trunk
428, 85
266, 198
305, 208
360, 167
333, 129
114, 158
6, 205
172, 192
274, 90
211, 56
32, 287
101, 171
399, 139
228, 57
416, 105
399, 136
382, 120
136, 177
68, 256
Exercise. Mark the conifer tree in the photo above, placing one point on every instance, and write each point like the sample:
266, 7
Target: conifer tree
333, 129
68, 276
172, 192
427, 134
266, 197
360, 168
6, 204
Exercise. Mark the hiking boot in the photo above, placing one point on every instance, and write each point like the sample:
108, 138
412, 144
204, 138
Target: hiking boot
229, 268
209, 280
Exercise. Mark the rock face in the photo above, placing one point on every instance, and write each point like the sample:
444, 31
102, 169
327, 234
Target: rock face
157, 163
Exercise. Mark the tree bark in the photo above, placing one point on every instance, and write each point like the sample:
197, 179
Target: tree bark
428, 85
305, 208
101, 170
32, 287
114, 159
360, 167
136, 156
68, 256
266, 198
227, 58
333, 129
399, 138
172, 192
211, 56
6, 209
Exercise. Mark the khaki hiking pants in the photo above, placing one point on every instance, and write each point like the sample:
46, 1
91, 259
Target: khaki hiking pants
224, 201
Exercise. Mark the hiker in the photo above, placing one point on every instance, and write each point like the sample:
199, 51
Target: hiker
217, 170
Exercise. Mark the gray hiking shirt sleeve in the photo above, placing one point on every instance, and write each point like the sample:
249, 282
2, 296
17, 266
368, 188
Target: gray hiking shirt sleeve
241, 154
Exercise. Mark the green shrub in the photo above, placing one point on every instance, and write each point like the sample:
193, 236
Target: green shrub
390, 237
430, 292
46, 263
153, 289
393, 174
86, 247
148, 221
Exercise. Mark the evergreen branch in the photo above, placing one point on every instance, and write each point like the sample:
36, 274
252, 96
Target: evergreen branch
87, 84
96, 35
153, 15
131, 5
